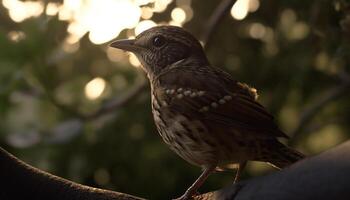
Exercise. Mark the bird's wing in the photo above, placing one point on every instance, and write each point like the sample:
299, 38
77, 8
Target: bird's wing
219, 101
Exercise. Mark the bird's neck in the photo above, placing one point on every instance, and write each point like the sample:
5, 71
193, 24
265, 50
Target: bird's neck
190, 62
186, 65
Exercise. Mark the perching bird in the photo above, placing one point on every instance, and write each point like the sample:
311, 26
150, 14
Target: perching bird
203, 114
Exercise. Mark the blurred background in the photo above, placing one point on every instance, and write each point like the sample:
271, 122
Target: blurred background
74, 107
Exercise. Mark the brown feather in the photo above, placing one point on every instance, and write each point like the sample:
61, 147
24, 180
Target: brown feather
242, 112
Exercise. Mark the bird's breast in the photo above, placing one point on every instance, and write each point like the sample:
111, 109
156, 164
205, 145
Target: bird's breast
188, 137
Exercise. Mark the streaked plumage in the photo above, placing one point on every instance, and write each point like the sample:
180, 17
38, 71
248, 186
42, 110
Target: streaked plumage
202, 113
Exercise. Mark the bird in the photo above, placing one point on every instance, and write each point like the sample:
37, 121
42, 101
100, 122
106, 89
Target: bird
202, 113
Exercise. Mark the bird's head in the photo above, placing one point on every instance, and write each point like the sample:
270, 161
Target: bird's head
159, 47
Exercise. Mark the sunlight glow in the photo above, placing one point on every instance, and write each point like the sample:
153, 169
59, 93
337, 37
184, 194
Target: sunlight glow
175, 23
115, 55
144, 25
189, 12
161, 5
241, 8
146, 13
101, 20
95, 88
134, 61
178, 15
104, 23
70, 47
19, 10
52, 9
143, 2
73, 4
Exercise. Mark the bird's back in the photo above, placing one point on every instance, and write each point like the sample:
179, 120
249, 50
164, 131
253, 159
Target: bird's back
204, 115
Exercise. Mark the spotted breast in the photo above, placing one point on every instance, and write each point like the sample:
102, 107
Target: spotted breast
196, 121
183, 133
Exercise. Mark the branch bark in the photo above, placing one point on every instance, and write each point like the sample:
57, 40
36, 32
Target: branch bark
219, 13
322, 177
19, 180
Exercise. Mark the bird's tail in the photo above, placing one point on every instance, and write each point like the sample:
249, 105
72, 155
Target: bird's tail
283, 156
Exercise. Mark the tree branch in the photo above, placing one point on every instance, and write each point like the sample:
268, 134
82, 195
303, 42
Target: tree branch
221, 10
331, 94
322, 177
19, 180
327, 97
118, 101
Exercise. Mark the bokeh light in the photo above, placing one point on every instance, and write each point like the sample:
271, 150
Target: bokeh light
325, 138
160, 5
95, 88
133, 60
291, 27
178, 15
52, 9
101, 176
253, 5
99, 101
103, 21
16, 36
143, 2
241, 8
257, 30
146, 12
115, 55
144, 25
19, 10
70, 47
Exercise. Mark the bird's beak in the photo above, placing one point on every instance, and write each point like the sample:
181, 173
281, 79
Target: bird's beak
127, 45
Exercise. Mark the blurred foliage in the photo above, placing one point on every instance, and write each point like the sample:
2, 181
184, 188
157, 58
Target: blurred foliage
296, 53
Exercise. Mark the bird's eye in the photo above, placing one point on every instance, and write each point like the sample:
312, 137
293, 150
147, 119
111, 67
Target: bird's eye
158, 41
